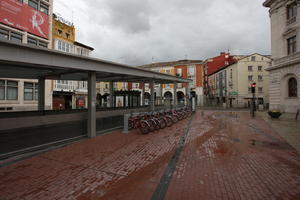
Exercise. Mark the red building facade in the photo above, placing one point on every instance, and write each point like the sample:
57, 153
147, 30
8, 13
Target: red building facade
214, 64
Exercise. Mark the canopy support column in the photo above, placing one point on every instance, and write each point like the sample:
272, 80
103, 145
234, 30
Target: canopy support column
143, 94
187, 94
91, 105
152, 101
175, 94
41, 94
111, 94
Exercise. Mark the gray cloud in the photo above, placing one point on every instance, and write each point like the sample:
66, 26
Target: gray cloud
134, 31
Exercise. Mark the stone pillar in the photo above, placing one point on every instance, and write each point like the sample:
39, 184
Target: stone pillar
187, 94
41, 94
91, 105
175, 94
152, 100
111, 94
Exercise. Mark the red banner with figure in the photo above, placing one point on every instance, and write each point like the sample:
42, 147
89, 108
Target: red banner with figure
21, 16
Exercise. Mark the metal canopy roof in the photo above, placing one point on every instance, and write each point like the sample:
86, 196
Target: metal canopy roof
27, 62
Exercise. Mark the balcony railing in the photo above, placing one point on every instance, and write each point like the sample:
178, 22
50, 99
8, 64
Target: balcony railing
66, 87
291, 20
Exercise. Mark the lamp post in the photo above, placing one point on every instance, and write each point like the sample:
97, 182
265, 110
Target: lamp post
253, 85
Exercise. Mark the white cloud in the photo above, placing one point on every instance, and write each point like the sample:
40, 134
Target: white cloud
134, 31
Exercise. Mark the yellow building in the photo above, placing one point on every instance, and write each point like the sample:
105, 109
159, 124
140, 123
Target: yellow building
68, 94
63, 34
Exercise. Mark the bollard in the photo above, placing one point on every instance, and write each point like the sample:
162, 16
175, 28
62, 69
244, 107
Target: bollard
125, 128
193, 104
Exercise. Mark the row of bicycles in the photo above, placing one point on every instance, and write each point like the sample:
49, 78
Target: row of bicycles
148, 122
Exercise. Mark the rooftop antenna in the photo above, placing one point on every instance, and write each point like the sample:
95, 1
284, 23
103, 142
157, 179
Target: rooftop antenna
72, 17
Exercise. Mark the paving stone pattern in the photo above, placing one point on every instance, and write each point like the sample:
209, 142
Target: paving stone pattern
226, 155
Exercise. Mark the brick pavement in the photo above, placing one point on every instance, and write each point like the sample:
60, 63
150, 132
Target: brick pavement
226, 156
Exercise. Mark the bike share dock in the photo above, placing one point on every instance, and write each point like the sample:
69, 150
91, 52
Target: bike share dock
23, 130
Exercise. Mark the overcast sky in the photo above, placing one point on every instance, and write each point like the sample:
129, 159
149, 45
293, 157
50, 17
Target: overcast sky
135, 32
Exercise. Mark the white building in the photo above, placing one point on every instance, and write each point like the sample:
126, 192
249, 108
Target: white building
21, 94
285, 69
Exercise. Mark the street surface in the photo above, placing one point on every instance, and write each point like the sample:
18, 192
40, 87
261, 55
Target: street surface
213, 155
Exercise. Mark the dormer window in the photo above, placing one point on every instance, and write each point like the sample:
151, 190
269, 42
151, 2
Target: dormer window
291, 13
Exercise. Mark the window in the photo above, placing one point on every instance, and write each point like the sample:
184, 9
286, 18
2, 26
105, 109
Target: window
59, 45
250, 78
253, 58
179, 72
8, 90
59, 32
291, 45
292, 87
63, 46
32, 41
250, 68
4, 34
260, 90
106, 86
43, 44
67, 48
44, 8
230, 73
30, 91
259, 68
67, 35
33, 4
291, 13
15, 37
260, 78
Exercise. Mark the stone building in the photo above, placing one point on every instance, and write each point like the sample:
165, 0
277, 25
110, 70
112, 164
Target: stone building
285, 70
191, 69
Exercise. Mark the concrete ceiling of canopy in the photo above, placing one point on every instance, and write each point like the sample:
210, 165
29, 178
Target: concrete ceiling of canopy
26, 62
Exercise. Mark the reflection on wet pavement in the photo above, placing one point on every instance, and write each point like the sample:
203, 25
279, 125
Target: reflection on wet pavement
226, 155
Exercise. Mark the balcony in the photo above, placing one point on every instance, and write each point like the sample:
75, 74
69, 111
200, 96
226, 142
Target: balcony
63, 87
291, 20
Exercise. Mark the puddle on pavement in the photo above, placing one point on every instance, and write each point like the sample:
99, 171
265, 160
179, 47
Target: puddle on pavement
267, 144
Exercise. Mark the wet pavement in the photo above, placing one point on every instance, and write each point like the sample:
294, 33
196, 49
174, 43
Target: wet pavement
213, 155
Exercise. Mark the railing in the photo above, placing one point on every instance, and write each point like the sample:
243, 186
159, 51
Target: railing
59, 86
291, 20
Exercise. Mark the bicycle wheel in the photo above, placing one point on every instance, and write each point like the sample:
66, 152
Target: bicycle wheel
144, 127
163, 123
157, 123
130, 124
174, 119
169, 121
152, 124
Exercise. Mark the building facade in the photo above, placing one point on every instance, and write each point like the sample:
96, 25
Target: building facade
28, 22
210, 66
285, 69
68, 94
191, 69
230, 85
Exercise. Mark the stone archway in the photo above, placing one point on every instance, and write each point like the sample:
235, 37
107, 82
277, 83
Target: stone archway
147, 97
168, 98
180, 98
